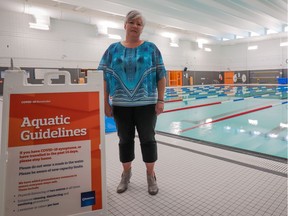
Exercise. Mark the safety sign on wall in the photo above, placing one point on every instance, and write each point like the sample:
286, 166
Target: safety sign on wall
53, 154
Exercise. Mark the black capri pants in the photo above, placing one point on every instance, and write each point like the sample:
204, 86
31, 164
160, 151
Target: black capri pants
143, 118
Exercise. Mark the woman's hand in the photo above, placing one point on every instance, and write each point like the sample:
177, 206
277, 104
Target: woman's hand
159, 108
108, 110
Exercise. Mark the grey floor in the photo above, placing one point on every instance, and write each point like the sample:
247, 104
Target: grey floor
196, 179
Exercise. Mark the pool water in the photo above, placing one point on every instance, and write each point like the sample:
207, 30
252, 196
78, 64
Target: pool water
258, 125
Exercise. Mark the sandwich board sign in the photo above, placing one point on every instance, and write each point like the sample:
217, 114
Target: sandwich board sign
52, 158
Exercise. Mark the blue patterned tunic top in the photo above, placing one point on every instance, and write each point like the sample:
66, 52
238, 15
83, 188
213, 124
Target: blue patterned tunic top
132, 74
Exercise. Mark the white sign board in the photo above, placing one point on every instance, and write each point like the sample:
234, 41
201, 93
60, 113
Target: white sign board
52, 147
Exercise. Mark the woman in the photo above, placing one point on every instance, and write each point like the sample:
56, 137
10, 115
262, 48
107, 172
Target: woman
134, 78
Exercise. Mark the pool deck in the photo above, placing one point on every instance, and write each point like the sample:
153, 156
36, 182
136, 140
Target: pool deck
196, 179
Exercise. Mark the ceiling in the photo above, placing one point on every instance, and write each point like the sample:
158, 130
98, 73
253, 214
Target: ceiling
213, 20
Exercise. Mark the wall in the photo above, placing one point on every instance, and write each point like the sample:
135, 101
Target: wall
201, 77
269, 55
76, 45
67, 44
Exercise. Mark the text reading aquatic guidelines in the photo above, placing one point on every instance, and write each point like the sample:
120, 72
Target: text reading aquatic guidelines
39, 133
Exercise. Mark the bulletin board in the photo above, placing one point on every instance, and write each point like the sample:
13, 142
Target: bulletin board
52, 158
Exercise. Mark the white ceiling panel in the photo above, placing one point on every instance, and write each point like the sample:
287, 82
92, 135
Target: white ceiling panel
211, 19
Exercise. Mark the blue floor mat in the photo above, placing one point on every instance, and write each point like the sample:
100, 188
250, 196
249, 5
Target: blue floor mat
110, 125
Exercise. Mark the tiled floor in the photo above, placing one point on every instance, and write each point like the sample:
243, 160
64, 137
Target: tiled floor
195, 179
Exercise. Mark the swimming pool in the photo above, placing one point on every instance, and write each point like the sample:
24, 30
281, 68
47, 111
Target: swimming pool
249, 120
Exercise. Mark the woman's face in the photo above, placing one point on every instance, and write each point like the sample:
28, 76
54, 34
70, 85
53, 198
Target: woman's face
134, 27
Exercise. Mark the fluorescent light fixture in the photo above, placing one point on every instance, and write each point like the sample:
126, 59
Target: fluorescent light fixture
254, 34
39, 26
284, 44
253, 47
109, 24
201, 42
239, 37
42, 22
270, 31
173, 44
58, 1
225, 39
102, 29
283, 125
102, 26
204, 41
167, 35
114, 36
207, 49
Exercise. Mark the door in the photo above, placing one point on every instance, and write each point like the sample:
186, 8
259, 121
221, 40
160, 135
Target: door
228, 77
175, 78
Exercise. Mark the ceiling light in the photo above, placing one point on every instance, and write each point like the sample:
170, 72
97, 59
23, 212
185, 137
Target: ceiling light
284, 44
239, 37
167, 35
114, 36
201, 42
39, 26
270, 31
253, 47
172, 44
254, 34
58, 1
102, 29
109, 24
225, 39
41, 22
207, 49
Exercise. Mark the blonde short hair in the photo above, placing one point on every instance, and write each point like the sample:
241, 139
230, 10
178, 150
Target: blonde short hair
134, 14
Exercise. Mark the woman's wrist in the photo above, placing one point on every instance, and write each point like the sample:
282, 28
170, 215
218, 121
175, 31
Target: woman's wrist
160, 101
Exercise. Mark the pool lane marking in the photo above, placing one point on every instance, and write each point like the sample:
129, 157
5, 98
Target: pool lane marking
267, 93
222, 114
192, 107
232, 116
210, 104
